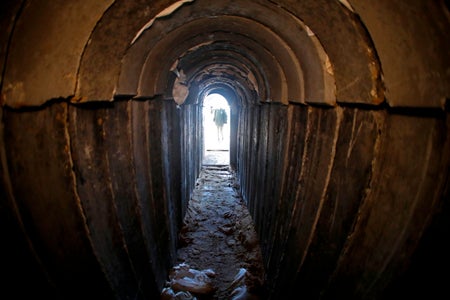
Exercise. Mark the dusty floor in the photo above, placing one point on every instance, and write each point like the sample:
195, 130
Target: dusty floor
218, 236
216, 157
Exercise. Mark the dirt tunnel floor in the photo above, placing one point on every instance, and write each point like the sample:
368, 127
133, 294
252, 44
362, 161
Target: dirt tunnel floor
219, 239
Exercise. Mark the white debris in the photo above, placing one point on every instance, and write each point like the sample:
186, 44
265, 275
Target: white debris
189, 282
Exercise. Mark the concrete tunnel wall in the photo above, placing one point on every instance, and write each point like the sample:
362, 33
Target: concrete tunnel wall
339, 137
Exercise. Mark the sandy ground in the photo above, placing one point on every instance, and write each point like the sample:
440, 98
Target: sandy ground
218, 235
221, 158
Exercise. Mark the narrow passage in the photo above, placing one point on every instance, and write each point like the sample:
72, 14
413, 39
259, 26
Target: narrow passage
219, 256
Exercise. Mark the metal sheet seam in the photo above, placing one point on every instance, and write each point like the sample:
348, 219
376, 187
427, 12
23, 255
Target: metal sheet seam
339, 116
77, 196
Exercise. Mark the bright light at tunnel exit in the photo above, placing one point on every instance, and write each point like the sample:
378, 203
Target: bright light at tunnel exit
216, 137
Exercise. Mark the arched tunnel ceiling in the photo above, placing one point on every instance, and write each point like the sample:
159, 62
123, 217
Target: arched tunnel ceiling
262, 41
80, 49
44, 54
413, 43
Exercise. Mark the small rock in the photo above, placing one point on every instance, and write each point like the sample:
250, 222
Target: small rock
231, 242
227, 229
227, 214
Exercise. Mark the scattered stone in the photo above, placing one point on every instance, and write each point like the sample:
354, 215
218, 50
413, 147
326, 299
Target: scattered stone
217, 234
227, 214
231, 242
227, 229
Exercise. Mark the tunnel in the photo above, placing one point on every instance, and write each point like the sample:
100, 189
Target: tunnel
339, 137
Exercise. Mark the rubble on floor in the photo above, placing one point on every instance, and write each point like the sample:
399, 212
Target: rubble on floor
219, 255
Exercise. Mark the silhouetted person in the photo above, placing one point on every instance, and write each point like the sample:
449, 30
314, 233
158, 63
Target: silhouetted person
220, 118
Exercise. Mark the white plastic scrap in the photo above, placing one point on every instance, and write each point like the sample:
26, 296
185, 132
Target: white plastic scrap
189, 282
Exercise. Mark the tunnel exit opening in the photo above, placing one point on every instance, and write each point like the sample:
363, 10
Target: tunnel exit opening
216, 130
